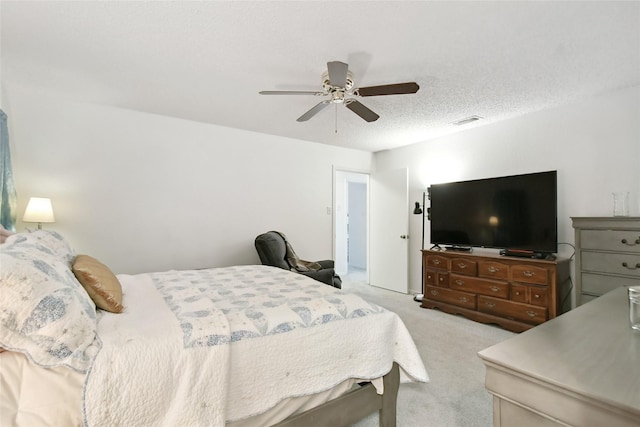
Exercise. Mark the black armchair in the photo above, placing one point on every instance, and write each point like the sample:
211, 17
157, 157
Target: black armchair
274, 250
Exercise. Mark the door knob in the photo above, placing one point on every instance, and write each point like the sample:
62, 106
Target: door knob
404, 236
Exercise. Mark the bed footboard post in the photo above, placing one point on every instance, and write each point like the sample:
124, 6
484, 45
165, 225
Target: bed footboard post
390, 397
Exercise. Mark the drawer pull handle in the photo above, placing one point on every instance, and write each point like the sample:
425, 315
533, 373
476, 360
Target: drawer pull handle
494, 288
436, 262
536, 295
459, 282
441, 279
462, 266
637, 242
493, 269
625, 265
531, 313
528, 273
464, 299
434, 292
489, 304
517, 292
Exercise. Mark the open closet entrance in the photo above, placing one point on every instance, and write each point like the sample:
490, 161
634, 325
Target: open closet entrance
371, 227
351, 224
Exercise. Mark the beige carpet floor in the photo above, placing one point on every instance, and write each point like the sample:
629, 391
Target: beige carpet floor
448, 344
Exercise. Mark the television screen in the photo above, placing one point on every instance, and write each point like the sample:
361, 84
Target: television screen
510, 212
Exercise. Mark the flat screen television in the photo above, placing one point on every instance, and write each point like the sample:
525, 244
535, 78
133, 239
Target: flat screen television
517, 212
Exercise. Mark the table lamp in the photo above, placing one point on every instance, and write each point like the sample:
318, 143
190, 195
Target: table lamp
39, 210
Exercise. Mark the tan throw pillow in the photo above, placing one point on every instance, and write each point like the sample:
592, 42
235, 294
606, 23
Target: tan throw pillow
101, 284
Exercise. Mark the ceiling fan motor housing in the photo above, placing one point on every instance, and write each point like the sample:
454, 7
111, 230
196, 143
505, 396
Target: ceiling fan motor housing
337, 93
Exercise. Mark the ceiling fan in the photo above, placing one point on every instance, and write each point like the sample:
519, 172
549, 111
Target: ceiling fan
337, 84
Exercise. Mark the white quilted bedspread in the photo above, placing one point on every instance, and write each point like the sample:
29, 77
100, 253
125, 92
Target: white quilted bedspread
207, 346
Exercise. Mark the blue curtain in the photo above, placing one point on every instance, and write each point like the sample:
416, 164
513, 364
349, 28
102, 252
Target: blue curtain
9, 198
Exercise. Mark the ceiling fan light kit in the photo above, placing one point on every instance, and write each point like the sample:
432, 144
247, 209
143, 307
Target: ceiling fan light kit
337, 85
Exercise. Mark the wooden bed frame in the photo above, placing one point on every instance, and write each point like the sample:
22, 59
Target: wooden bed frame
353, 406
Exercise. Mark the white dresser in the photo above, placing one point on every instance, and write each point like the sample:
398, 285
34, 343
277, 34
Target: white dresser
607, 255
579, 369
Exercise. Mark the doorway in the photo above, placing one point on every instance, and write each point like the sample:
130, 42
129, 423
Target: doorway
351, 218
380, 206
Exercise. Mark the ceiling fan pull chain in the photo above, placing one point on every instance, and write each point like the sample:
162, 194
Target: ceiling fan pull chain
336, 109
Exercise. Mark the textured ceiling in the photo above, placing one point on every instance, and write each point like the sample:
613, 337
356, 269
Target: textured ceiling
207, 60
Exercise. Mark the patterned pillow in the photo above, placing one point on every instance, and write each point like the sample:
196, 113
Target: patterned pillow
45, 313
45, 242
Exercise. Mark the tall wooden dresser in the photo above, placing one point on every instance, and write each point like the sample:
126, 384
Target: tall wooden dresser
515, 293
607, 255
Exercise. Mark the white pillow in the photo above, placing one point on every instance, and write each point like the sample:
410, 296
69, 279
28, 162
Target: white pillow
45, 312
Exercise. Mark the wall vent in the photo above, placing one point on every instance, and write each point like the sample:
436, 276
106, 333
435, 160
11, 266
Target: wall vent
467, 120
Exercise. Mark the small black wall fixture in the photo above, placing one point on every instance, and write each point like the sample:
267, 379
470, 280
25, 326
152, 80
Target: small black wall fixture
417, 210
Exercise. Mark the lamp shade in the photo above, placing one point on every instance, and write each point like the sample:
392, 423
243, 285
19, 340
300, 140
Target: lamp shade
39, 210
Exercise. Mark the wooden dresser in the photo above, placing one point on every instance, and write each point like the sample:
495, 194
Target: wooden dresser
607, 255
515, 293
580, 369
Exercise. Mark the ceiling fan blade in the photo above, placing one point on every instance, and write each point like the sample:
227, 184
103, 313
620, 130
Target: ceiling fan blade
312, 112
290, 92
361, 110
337, 73
392, 89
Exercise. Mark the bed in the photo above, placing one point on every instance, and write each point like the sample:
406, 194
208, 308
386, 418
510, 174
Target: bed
237, 346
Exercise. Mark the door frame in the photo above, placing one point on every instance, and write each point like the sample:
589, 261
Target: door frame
348, 170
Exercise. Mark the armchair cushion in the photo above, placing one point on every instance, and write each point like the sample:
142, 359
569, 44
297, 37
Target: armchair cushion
272, 250
326, 263
324, 276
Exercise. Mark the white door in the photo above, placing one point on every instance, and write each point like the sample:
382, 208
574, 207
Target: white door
389, 229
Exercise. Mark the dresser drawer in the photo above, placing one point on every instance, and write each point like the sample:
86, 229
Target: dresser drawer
438, 262
461, 299
479, 286
598, 284
493, 269
519, 293
610, 240
530, 294
529, 274
442, 279
512, 310
464, 266
602, 262
539, 295
430, 277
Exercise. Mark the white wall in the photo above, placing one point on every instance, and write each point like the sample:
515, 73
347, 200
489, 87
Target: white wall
146, 193
594, 145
